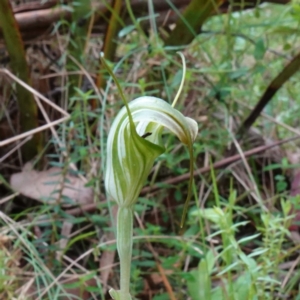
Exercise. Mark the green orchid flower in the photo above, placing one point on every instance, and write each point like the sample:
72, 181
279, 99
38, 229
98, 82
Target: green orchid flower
134, 142
131, 155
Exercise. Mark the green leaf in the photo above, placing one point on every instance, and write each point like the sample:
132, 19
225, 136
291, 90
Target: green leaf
199, 286
259, 50
117, 295
214, 215
126, 30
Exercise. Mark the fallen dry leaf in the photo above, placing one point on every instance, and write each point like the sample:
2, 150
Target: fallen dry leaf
51, 186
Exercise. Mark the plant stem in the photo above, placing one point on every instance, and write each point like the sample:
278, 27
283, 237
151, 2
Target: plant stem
124, 246
28, 112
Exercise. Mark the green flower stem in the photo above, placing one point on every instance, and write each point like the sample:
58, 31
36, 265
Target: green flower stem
124, 246
134, 142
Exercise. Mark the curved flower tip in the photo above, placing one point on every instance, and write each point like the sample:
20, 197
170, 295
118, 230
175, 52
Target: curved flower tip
134, 142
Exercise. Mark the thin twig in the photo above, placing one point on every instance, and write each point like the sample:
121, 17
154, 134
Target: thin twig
220, 164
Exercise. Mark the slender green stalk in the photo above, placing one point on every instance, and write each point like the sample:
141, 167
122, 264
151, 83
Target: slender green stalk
27, 107
133, 144
124, 246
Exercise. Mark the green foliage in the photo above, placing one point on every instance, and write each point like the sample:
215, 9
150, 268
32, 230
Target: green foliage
236, 241
243, 276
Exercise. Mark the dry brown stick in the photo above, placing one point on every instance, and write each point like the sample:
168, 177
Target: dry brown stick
35, 22
288, 71
220, 164
30, 6
38, 21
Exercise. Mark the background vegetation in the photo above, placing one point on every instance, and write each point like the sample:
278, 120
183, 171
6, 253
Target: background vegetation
240, 239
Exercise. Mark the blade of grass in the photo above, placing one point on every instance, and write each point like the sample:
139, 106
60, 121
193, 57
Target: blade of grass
80, 31
27, 107
110, 45
190, 23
